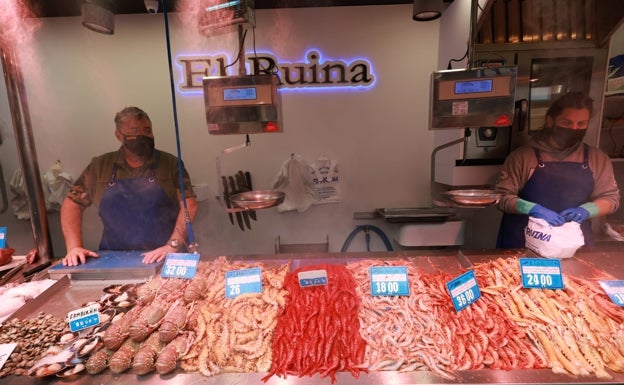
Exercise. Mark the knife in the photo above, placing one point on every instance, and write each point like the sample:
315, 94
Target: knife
252, 213
226, 198
242, 187
239, 217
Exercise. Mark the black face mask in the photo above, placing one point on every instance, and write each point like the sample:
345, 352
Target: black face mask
140, 145
567, 137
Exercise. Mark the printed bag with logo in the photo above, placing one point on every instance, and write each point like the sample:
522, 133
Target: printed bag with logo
553, 241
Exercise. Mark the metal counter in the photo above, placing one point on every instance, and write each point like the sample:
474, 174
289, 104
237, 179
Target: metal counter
68, 295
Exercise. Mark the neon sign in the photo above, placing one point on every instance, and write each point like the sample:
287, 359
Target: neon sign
312, 74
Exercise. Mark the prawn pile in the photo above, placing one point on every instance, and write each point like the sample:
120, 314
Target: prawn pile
578, 330
422, 331
235, 335
318, 329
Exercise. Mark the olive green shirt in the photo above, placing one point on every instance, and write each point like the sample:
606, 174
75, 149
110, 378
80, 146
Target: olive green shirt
91, 184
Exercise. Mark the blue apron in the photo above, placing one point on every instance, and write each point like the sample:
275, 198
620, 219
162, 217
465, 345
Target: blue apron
556, 186
136, 213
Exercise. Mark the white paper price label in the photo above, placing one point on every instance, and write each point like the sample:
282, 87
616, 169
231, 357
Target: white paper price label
389, 280
243, 281
312, 278
180, 265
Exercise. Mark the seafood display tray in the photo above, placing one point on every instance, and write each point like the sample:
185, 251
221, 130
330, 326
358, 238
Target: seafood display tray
118, 265
68, 295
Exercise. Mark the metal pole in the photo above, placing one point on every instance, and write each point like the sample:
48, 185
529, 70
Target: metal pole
26, 151
474, 5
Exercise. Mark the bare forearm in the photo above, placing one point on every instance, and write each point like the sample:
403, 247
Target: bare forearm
71, 223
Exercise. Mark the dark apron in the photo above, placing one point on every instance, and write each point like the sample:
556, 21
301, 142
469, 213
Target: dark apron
136, 213
556, 186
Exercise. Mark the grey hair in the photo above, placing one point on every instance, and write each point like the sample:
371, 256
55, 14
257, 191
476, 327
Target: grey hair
130, 112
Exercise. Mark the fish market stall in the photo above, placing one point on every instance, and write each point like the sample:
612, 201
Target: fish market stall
322, 318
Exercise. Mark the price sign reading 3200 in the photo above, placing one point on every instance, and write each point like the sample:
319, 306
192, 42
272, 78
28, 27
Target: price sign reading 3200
389, 280
541, 273
464, 290
180, 265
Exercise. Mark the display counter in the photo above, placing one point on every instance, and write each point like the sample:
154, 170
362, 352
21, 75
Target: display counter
593, 263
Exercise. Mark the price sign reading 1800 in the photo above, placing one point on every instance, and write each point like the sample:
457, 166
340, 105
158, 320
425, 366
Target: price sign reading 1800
615, 291
389, 280
540, 273
180, 265
243, 281
464, 290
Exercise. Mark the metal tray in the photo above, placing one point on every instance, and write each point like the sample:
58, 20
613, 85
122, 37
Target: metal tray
419, 214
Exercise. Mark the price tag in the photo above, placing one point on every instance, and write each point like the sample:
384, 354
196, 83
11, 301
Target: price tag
83, 318
464, 290
312, 278
389, 280
3, 231
180, 265
5, 352
615, 291
540, 273
239, 282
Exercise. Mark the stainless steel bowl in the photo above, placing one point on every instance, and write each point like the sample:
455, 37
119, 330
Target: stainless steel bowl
258, 199
473, 197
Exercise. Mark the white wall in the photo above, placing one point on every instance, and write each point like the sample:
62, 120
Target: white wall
77, 79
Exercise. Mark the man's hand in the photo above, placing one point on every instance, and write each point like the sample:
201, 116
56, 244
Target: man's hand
77, 255
158, 254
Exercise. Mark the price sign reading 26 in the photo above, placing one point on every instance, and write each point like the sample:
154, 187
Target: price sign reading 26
389, 280
243, 281
540, 273
464, 290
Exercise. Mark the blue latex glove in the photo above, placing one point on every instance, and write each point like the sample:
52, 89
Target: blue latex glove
549, 216
576, 214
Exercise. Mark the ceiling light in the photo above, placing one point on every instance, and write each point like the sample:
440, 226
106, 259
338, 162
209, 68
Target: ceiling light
97, 15
426, 10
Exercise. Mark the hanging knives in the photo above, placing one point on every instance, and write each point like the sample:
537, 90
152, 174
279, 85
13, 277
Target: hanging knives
242, 187
239, 216
252, 213
226, 198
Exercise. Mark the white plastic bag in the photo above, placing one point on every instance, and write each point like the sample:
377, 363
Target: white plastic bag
553, 241
326, 180
293, 179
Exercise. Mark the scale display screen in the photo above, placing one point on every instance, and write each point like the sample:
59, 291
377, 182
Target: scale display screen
247, 93
474, 86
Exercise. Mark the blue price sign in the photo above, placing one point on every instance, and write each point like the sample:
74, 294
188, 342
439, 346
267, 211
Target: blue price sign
615, 291
244, 281
312, 278
180, 265
83, 318
540, 273
464, 290
389, 280
3, 231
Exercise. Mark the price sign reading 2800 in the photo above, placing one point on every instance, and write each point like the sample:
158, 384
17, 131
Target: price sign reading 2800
540, 273
464, 290
243, 281
389, 280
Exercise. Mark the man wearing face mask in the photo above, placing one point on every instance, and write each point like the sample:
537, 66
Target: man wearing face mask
136, 190
556, 177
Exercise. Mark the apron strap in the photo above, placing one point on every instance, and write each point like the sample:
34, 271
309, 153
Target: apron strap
151, 178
